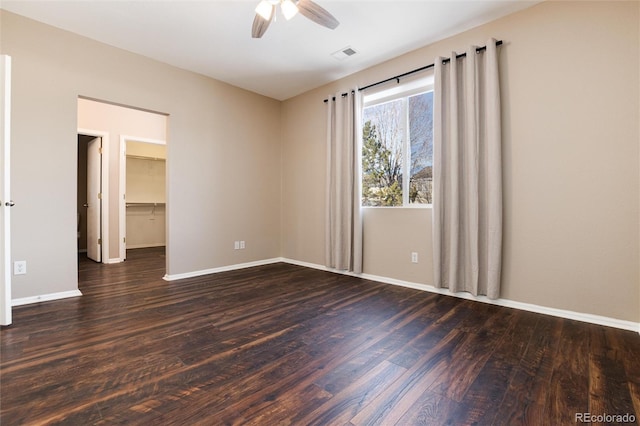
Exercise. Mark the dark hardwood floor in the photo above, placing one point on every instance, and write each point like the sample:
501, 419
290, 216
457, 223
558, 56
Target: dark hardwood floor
281, 344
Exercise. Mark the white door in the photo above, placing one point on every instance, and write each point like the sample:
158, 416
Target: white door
5, 195
94, 200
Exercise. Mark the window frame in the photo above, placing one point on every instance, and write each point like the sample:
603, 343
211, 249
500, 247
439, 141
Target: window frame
404, 92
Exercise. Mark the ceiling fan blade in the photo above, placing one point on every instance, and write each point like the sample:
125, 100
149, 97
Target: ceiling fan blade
317, 14
260, 25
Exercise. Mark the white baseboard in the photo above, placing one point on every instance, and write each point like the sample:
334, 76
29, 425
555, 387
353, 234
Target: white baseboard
114, 260
562, 313
174, 277
45, 297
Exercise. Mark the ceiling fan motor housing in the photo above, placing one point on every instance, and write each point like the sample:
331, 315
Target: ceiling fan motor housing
266, 11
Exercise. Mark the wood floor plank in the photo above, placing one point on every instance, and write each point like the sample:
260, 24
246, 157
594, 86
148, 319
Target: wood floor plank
528, 347
411, 384
456, 380
344, 405
483, 397
283, 344
569, 387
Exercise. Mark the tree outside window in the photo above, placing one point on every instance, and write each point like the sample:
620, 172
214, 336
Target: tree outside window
398, 142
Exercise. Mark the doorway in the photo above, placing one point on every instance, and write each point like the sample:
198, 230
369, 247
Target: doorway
118, 125
143, 186
90, 204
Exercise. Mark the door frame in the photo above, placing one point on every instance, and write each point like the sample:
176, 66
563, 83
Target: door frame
104, 216
93, 196
122, 233
5, 190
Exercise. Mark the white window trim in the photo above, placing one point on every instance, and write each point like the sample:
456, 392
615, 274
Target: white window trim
414, 87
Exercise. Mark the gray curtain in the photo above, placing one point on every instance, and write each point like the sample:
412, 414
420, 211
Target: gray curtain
467, 206
343, 215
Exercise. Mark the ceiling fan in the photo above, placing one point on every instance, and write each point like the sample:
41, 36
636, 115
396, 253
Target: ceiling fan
266, 12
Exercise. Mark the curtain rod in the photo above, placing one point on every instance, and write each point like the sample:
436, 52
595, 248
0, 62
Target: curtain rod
426, 67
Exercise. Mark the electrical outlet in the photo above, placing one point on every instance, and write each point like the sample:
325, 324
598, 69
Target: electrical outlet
19, 267
242, 246
236, 245
414, 257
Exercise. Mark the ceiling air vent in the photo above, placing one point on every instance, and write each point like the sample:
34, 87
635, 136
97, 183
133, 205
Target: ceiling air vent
343, 53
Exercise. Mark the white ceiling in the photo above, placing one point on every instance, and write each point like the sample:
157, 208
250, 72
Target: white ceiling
213, 37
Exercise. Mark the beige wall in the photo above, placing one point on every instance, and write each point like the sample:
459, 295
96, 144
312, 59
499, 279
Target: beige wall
214, 157
570, 95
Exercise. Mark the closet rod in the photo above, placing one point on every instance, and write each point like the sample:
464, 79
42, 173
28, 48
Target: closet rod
144, 204
141, 157
426, 67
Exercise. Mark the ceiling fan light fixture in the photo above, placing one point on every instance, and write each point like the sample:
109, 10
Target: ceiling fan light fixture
264, 9
289, 9
266, 13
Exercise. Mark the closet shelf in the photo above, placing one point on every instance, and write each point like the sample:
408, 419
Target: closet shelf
144, 204
140, 157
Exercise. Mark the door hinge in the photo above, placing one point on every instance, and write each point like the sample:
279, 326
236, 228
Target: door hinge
99, 240
100, 150
99, 195
124, 240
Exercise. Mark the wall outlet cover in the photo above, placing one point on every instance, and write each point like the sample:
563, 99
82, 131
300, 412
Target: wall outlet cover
19, 267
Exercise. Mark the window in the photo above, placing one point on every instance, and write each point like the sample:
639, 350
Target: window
397, 141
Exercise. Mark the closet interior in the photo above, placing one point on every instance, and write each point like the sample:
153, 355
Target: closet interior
145, 195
